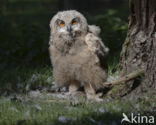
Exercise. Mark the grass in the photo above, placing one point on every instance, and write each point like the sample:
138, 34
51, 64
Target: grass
44, 108
23, 79
41, 111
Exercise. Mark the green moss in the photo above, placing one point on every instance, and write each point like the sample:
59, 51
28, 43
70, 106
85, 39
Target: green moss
124, 49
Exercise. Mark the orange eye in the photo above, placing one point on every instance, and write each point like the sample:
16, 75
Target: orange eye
62, 24
74, 22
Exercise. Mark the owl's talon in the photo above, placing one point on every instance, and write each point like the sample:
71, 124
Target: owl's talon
94, 98
98, 99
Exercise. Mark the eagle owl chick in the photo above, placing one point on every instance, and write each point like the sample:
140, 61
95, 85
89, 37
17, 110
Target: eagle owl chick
77, 53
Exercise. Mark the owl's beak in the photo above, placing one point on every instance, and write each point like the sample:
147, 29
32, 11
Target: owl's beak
69, 29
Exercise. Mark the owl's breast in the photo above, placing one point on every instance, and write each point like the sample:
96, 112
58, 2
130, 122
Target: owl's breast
77, 54
81, 57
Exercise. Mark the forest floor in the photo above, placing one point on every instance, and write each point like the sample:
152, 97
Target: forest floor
34, 104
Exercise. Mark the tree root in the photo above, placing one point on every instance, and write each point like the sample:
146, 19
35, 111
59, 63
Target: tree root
126, 78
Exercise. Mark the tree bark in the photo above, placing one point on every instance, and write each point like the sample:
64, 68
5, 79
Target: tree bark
139, 49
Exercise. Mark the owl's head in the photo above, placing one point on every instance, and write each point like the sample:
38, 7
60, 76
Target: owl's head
68, 24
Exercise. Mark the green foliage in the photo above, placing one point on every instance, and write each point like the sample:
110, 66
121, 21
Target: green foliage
26, 44
25, 79
24, 32
114, 30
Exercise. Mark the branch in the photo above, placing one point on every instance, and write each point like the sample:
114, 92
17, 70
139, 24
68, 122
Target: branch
126, 78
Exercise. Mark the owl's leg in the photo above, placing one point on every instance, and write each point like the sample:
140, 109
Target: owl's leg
73, 87
91, 94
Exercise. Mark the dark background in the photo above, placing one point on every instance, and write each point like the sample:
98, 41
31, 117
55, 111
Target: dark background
24, 28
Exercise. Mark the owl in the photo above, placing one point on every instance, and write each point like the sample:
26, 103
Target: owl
77, 53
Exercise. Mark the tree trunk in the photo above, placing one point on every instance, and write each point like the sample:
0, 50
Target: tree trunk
139, 49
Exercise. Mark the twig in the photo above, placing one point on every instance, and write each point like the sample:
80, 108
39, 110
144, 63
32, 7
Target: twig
126, 78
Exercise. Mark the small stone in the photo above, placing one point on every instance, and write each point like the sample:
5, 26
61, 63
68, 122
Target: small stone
49, 80
64, 89
101, 110
92, 120
34, 78
34, 94
38, 107
65, 119
60, 95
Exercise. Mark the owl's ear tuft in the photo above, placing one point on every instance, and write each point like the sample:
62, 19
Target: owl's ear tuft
94, 29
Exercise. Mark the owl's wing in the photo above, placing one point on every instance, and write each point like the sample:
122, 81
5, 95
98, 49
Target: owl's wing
95, 44
94, 29
102, 47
